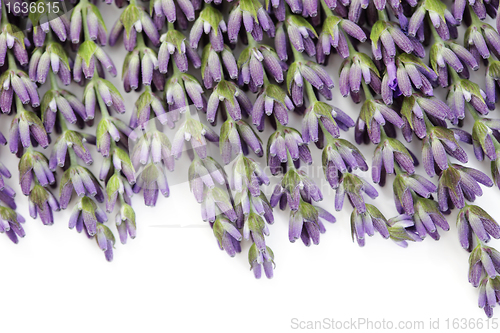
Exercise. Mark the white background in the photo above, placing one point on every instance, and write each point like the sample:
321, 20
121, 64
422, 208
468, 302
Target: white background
173, 277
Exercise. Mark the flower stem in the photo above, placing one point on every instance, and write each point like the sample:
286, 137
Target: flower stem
328, 11
310, 92
475, 20
297, 56
472, 112
382, 15
103, 107
366, 90
12, 61
53, 81
84, 4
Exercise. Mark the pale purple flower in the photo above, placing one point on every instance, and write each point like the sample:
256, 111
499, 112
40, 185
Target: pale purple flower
439, 143
366, 223
305, 223
59, 25
13, 42
214, 32
19, 84
214, 63
386, 154
373, 115
259, 259
54, 58
404, 188
359, 67
301, 34
332, 35
457, 184
427, 218
253, 25
24, 127
311, 72
175, 45
65, 102
10, 224
235, 101
80, 180
144, 23
152, 180
295, 188
272, 100
321, 116
284, 143
99, 58
473, 220
252, 62
355, 187
34, 166
42, 203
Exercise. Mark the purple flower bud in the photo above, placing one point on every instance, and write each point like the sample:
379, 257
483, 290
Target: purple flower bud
457, 184
473, 220
366, 223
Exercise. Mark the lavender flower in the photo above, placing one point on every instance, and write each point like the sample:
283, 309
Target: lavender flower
236, 137
481, 38
147, 102
111, 128
332, 35
441, 18
414, 110
24, 126
366, 223
211, 65
17, 82
75, 141
197, 134
10, 224
134, 20
284, 142
65, 102
180, 11
300, 34
388, 151
107, 91
295, 188
353, 186
95, 24
358, 67
247, 175
259, 259
405, 186
465, 91
255, 19
271, 100
82, 181
105, 240
373, 115
216, 203
252, 62
439, 142
314, 74
235, 101
174, 44
89, 57
400, 230
489, 291
34, 166
388, 35
483, 259
457, 184
44, 24
54, 57
453, 55
140, 67
228, 237
86, 213
483, 138
305, 223
42, 203
11, 37
340, 155
125, 223
211, 23
321, 116
411, 70
473, 220
427, 218
152, 180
